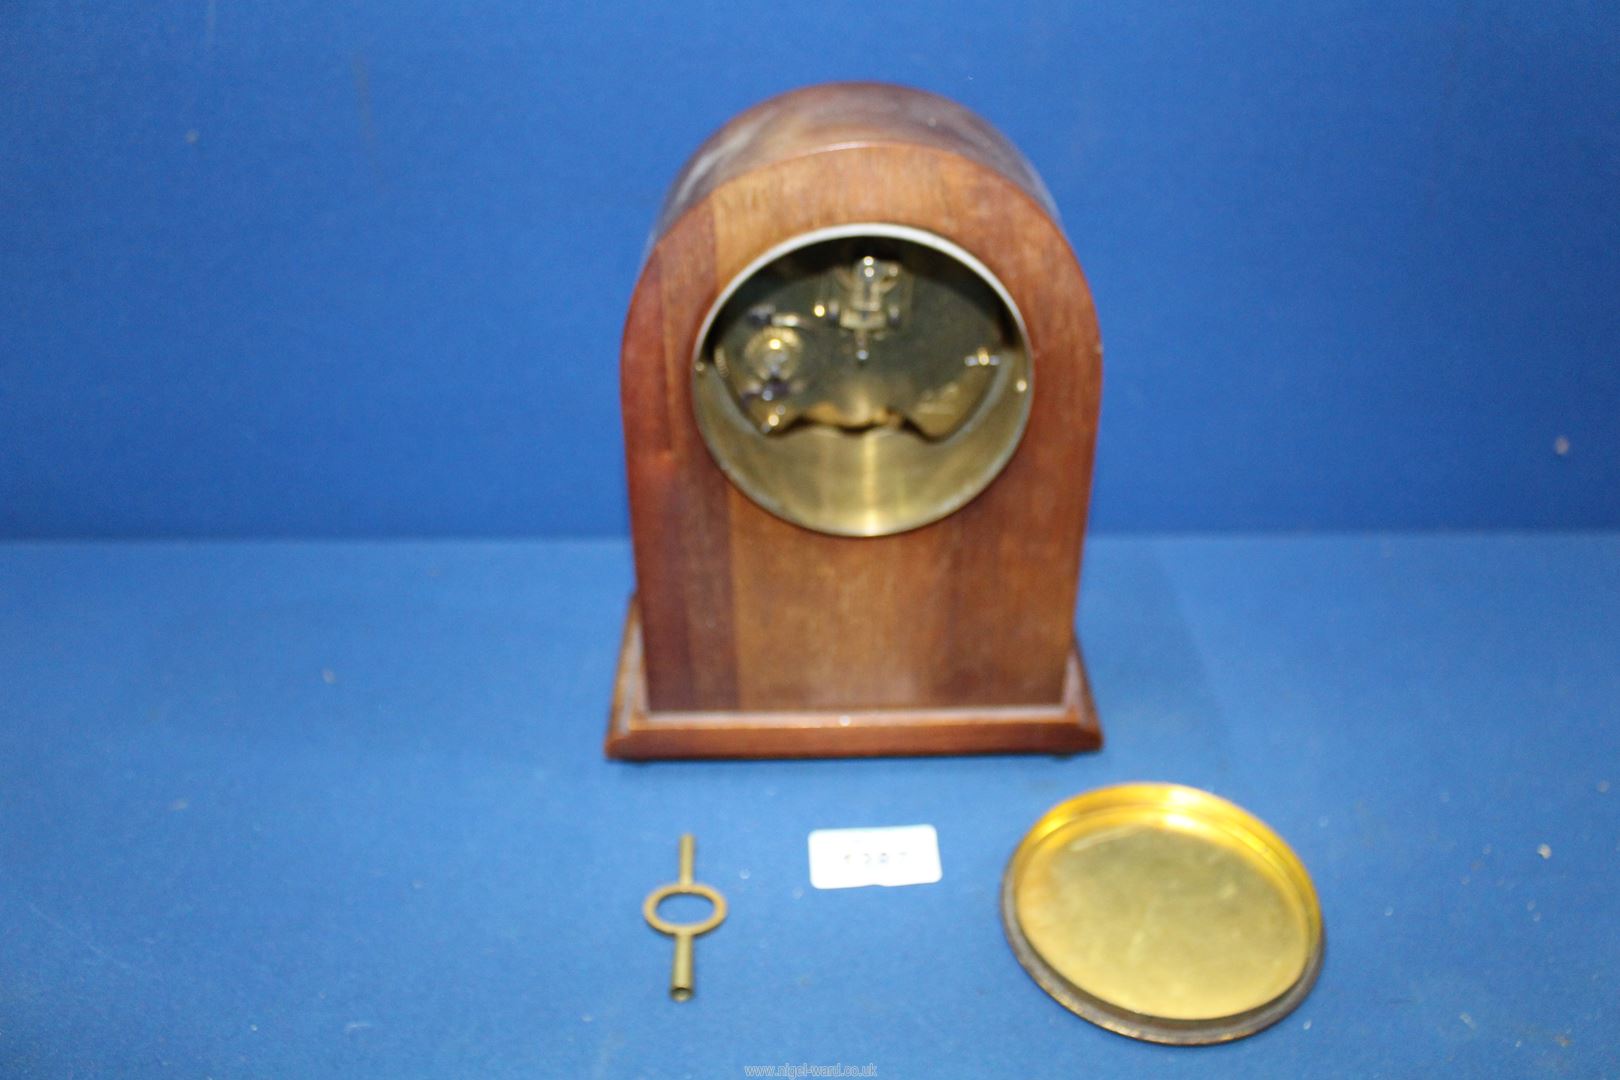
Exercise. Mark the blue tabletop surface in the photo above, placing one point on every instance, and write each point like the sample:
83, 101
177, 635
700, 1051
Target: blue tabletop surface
280, 809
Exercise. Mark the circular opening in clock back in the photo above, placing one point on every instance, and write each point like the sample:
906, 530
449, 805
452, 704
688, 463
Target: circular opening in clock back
864, 380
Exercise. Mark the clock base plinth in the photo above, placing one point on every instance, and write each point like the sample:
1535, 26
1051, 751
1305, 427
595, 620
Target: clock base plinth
637, 734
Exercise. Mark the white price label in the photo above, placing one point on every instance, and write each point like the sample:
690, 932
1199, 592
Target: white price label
895, 855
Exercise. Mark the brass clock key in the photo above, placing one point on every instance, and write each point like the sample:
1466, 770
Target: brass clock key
680, 976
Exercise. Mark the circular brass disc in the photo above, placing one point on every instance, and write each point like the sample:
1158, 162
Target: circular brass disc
1164, 913
863, 406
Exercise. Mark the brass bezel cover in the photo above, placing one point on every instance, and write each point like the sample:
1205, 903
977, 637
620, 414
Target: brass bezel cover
1189, 811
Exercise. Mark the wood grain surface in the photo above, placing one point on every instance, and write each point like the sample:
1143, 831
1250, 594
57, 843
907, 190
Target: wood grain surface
742, 612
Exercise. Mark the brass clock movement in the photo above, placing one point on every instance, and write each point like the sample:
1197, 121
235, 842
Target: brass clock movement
860, 381
863, 380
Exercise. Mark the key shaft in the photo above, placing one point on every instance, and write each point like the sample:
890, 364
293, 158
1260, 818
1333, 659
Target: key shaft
681, 980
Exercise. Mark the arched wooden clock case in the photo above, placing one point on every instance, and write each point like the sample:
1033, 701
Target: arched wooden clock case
844, 544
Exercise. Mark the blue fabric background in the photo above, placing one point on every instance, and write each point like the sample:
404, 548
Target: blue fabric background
359, 269
311, 270
289, 809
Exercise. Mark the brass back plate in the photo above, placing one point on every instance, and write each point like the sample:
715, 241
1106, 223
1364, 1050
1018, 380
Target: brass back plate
863, 380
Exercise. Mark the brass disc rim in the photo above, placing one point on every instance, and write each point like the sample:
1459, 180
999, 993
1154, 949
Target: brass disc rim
1114, 1016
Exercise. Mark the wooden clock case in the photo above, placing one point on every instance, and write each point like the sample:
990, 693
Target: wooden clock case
749, 636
